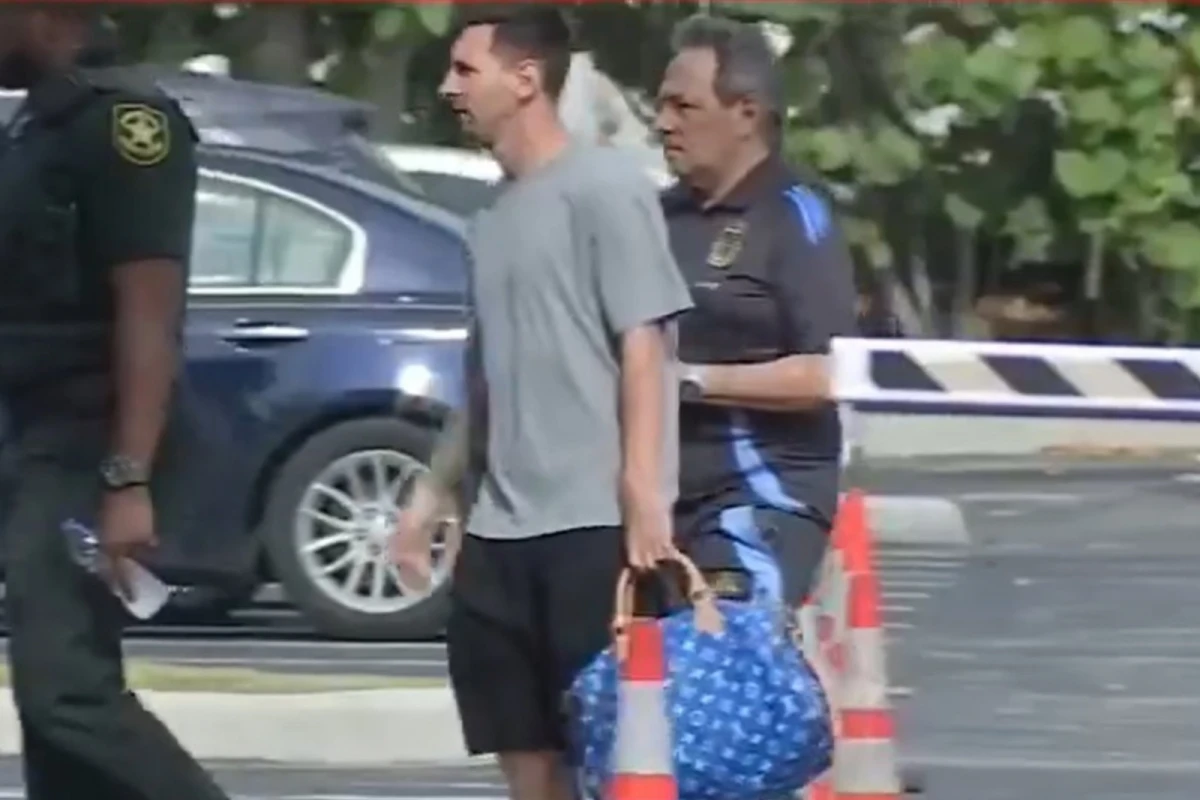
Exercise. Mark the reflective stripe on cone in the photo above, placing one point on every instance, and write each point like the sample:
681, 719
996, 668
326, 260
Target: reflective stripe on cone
866, 768
864, 681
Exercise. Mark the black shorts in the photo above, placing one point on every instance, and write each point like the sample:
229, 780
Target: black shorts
526, 615
750, 549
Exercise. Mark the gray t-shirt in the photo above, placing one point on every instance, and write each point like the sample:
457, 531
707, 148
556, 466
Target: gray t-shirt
565, 261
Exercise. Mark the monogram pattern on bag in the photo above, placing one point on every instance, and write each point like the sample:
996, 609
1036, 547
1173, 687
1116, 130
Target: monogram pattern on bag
750, 720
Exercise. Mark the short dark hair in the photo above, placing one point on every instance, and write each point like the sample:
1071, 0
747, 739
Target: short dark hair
527, 31
746, 65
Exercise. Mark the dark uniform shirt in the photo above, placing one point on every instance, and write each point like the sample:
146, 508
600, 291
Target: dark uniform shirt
770, 276
97, 169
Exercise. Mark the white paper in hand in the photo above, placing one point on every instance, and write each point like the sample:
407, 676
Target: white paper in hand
149, 593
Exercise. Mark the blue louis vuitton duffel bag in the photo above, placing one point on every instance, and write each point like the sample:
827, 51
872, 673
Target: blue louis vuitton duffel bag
745, 714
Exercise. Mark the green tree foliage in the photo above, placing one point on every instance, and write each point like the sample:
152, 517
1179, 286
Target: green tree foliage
1004, 134
961, 140
368, 50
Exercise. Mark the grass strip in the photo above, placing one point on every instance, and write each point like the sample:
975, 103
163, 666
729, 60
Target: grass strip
163, 676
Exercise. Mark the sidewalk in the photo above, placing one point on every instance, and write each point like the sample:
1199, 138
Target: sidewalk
903, 436
367, 727
1058, 464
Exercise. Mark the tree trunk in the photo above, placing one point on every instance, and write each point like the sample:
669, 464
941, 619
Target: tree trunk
918, 304
1093, 287
912, 321
962, 304
387, 87
172, 39
277, 46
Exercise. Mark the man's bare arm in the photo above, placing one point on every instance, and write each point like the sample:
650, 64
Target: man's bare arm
451, 454
813, 282
149, 305
643, 364
791, 383
452, 459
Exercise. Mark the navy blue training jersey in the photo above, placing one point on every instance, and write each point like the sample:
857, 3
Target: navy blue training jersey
770, 276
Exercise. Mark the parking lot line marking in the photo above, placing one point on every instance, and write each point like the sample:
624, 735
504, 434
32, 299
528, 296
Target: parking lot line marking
1049, 498
919, 584
906, 595
888, 609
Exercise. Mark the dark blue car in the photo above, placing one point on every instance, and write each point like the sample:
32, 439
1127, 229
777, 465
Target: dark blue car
326, 323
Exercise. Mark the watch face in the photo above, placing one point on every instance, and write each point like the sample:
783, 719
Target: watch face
118, 471
690, 390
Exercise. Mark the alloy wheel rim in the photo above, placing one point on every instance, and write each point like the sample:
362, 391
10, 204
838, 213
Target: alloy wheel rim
342, 526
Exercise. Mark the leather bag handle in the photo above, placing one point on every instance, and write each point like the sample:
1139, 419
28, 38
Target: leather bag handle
708, 617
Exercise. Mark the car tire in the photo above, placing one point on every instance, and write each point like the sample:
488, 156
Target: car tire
424, 619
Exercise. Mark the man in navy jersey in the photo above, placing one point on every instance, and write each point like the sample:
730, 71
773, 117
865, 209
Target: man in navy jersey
772, 283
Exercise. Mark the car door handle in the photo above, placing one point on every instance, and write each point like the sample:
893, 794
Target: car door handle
264, 332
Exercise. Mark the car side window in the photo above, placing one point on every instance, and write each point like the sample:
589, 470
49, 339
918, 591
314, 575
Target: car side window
247, 237
300, 246
224, 235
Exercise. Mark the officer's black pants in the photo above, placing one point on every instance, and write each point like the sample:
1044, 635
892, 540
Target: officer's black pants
86, 736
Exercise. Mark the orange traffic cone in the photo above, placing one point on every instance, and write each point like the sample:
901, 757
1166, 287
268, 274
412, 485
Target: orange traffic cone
642, 753
866, 762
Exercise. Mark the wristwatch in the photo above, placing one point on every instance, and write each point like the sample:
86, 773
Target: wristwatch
691, 383
123, 472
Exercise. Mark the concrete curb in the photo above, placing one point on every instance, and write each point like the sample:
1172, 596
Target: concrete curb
903, 436
916, 520
1058, 468
380, 727
357, 728
951, 473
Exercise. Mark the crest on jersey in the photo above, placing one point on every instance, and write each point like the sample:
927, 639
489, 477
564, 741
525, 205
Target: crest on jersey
727, 246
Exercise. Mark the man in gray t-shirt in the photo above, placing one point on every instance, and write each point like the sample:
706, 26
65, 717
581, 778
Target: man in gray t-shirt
568, 259
571, 361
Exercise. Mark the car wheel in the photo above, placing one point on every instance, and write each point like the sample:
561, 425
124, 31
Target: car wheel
330, 513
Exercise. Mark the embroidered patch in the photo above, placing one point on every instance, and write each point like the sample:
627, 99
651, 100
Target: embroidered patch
727, 246
140, 134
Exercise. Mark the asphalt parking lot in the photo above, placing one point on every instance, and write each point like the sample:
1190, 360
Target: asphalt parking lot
1055, 654
1064, 659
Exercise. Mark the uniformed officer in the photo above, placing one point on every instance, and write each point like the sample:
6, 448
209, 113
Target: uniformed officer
97, 187
772, 282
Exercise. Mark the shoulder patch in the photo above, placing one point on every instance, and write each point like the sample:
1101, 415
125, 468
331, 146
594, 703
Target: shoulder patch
141, 133
812, 212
